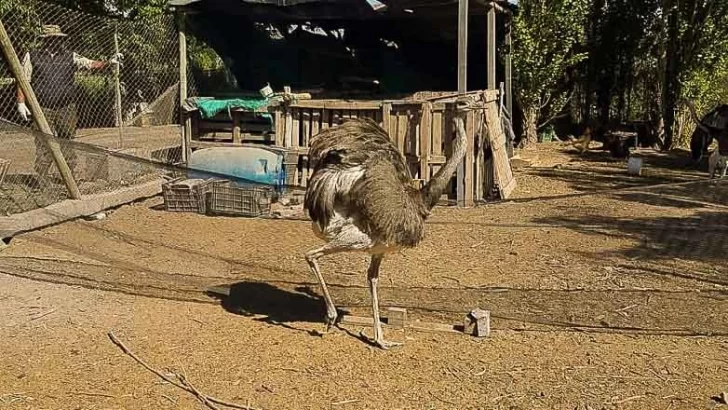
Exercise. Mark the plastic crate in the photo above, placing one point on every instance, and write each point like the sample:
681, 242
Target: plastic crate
4, 166
186, 195
227, 199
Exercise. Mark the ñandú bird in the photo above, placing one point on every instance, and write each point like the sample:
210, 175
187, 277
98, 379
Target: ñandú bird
361, 197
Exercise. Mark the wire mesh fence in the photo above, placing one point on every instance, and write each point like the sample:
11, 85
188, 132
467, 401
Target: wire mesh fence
98, 80
96, 168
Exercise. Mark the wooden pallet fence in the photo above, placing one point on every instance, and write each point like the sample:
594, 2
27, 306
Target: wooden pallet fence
422, 130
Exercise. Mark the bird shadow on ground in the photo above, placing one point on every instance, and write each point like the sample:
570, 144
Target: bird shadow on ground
277, 306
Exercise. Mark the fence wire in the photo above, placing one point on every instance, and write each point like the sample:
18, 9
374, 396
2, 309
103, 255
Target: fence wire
108, 82
96, 168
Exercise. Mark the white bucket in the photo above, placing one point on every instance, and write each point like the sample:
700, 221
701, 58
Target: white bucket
266, 91
634, 166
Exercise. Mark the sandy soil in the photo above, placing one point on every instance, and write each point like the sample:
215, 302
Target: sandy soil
617, 300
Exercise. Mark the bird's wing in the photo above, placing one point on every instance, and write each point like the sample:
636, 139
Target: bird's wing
340, 156
357, 169
387, 206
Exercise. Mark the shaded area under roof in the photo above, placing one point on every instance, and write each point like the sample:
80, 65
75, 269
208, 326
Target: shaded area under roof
409, 46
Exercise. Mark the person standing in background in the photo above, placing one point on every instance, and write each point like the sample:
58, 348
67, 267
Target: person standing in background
51, 71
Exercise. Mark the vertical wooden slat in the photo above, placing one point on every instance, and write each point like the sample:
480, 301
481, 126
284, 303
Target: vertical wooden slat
304, 170
503, 175
306, 127
386, 120
325, 118
469, 159
237, 138
425, 137
295, 138
315, 123
448, 132
436, 147
280, 127
288, 128
402, 127
479, 165
491, 50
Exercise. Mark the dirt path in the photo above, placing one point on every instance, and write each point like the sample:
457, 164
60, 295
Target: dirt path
611, 301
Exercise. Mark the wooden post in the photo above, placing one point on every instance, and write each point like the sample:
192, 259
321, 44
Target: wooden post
117, 91
186, 123
462, 46
491, 48
509, 71
425, 138
37, 113
469, 158
462, 83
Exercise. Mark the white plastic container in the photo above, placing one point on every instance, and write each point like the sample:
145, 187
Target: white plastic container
634, 166
266, 91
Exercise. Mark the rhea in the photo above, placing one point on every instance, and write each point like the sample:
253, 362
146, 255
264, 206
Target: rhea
361, 197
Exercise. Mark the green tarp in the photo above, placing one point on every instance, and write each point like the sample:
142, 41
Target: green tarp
209, 107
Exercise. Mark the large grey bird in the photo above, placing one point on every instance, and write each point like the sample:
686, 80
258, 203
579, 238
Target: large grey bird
718, 160
361, 197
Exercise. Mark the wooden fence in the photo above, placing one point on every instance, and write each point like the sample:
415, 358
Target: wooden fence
422, 129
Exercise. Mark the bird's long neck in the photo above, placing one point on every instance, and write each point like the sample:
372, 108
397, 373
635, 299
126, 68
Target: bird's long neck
436, 185
699, 123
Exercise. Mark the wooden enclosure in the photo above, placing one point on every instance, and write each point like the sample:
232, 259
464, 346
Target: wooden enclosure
421, 127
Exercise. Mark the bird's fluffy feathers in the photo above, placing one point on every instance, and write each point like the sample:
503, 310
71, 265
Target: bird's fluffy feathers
360, 174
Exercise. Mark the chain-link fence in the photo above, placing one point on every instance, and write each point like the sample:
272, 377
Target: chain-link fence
101, 81
96, 168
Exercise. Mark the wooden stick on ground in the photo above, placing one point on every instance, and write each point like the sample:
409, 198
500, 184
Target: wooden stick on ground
183, 383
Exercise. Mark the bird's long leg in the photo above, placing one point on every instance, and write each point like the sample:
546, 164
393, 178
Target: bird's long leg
312, 259
373, 279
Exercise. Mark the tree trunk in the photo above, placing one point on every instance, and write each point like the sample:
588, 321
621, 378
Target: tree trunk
530, 125
671, 88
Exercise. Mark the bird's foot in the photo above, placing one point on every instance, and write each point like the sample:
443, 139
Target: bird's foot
380, 342
330, 321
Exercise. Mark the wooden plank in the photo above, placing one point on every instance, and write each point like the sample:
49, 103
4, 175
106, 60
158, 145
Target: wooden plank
491, 50
479, 155
295, 139
386, 120
38, 116
462, 45
468, 183
425, 138
212, 144
338, 104
402, 127
503, 174
279, 127
416, 325
75, 208
236, 127
288, 127
296, 133
304, 171
305, 127
462, 84
448, 134
315, 123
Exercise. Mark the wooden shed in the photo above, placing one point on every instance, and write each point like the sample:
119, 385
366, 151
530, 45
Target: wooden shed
419, 122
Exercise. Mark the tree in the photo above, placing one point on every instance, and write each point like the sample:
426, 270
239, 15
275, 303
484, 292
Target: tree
694, 28
546, 39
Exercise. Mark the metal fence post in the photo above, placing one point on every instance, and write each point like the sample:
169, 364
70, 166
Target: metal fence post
37, 114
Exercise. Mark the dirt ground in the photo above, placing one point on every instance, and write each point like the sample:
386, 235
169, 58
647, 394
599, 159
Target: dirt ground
607, 291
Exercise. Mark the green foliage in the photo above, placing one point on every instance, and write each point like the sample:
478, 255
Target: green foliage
202, 56
546, 39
